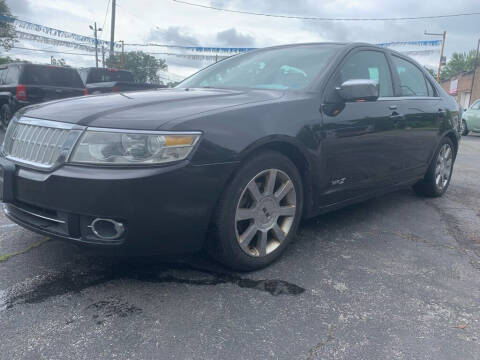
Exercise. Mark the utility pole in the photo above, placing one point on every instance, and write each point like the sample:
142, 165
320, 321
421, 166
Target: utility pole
442, 58
95, 30
474, 72
122, 58
112, 31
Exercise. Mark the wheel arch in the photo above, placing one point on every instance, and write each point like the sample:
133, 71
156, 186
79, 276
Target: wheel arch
454, 138
290, 148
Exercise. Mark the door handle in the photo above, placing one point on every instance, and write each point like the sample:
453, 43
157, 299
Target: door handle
393, 107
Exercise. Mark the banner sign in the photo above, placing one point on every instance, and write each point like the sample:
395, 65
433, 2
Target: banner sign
50, 41
57, 37
414, 43
420, 52
230, 50
25, 25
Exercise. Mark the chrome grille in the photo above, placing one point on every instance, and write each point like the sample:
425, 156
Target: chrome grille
39, 143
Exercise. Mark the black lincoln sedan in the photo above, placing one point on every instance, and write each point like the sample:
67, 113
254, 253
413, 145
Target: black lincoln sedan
235, 156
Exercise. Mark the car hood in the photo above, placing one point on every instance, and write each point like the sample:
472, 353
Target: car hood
145, 110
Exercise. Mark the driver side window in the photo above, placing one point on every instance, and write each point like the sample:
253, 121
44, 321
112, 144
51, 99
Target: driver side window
370, 65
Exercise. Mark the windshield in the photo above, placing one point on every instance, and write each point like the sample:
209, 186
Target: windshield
281, 69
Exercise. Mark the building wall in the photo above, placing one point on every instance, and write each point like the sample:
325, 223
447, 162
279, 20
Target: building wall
463, 95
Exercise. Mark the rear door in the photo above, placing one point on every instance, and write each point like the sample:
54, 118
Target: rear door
360, 139
423, 110
46, 83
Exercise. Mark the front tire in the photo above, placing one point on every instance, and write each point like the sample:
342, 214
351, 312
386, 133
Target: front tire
437, 179
464, 129
258, 214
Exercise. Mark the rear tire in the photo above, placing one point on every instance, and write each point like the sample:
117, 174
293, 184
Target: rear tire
437, 179
258, 213
464, 128
6, 114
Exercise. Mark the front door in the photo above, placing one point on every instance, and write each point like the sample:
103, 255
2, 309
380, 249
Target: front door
360, 139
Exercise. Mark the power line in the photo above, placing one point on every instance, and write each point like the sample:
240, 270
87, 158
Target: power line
324, 18
105, 19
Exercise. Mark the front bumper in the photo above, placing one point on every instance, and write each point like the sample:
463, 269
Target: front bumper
164, 209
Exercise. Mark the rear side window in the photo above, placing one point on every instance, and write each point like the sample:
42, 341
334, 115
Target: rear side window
12, 75
108, 75
52, 76
412, 80
371, 65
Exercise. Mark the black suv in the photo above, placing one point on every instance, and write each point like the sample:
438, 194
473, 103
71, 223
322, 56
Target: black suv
22, 84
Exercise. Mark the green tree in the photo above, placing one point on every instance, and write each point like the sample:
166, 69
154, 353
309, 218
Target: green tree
7, 31
144, 67
458, 63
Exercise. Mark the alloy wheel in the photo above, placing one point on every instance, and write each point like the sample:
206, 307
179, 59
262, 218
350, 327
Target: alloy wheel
443, 169
265, 212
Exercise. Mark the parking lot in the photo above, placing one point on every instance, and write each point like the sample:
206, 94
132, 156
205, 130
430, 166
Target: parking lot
397, 277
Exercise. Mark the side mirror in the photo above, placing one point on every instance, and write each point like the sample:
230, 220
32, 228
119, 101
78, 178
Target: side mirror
359, 90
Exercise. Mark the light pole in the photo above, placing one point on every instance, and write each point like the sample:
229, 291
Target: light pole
442, 58
95, 30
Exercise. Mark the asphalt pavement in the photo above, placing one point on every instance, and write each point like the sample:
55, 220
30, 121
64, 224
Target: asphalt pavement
396, 277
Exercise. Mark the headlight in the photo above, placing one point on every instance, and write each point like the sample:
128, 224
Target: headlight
97, 146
